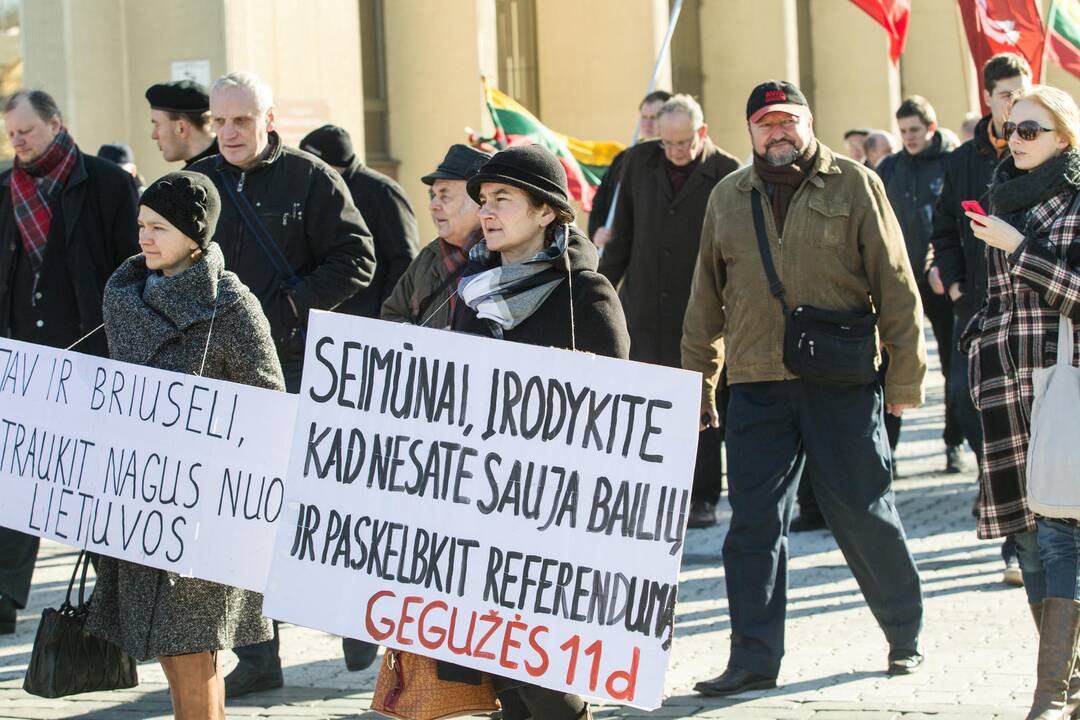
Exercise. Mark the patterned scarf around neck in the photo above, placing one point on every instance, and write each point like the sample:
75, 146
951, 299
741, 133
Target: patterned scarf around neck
33, 186
506, 295
454, 259
784, 180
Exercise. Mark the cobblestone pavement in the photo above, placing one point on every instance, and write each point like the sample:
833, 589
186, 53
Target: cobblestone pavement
979, 642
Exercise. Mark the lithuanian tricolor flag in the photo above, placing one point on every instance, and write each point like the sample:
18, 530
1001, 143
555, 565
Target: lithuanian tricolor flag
1063, 34
585, 161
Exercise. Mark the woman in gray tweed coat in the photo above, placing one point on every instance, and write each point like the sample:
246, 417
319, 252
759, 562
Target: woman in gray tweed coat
176, 308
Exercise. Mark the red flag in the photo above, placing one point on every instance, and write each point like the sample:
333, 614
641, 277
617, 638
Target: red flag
893, 16
995, 26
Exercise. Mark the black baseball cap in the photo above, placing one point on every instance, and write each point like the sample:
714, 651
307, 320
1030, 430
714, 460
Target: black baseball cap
117, 153
461, 163
180, 96
776, 96
331, 144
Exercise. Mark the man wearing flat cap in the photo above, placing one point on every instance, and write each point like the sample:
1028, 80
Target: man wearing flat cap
425, 295
805, 233
180, 114
386, 210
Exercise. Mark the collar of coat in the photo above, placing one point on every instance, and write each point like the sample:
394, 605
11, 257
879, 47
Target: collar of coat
148, 320
77, 176
825, 164
704, 166
274, 151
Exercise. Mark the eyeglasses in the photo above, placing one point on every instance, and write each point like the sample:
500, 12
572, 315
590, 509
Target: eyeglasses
684, 145
1027, 130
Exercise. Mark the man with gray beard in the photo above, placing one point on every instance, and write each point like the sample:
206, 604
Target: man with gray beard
796, 250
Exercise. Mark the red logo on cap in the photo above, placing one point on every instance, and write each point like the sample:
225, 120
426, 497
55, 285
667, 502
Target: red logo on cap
772, 96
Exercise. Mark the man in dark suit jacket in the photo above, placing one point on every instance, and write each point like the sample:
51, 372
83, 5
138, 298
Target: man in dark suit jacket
67, 220
653, 251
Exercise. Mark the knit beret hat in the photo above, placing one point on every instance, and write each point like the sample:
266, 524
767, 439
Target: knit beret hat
531, 168
331, 144
189, 201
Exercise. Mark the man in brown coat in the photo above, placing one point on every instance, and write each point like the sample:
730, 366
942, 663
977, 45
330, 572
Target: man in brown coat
652, 251
826, 227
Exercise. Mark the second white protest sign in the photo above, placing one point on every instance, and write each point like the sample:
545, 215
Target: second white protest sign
515, 509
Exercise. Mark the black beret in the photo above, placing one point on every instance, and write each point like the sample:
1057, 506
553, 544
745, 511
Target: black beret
180, 96
189, 201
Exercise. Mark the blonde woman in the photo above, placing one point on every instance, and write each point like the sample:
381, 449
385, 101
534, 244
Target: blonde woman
1033, 259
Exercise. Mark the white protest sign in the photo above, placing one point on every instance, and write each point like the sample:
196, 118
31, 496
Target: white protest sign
516, 509
173, 471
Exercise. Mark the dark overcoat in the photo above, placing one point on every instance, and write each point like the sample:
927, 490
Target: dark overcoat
150, 612
654, 246
392, 223
93, 231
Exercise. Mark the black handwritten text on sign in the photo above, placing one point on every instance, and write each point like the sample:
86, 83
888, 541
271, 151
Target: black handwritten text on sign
516, 509
169, 470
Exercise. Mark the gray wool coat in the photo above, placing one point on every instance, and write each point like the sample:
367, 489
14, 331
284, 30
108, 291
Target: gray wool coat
150, 612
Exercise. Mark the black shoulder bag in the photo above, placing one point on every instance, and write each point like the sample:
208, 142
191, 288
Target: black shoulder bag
835, 348
289, 278
68, 661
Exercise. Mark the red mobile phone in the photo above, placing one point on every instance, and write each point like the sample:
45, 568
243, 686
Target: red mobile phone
973, 206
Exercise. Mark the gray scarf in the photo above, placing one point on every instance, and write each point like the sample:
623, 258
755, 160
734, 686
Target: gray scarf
506, 295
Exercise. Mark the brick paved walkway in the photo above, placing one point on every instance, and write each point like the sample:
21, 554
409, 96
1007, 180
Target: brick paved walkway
979, 639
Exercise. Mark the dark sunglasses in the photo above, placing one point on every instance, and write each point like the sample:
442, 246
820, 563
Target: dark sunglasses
1027, 130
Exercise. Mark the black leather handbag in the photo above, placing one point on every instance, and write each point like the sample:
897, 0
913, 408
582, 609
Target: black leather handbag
835, 348
66, 660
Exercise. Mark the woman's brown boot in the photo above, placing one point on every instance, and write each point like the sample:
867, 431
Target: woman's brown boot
1058, 631
1072, 705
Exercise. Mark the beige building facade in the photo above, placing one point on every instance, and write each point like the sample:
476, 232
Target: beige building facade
404, 76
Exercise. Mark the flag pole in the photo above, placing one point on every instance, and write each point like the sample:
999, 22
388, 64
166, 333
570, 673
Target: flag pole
672, 21
1046, 40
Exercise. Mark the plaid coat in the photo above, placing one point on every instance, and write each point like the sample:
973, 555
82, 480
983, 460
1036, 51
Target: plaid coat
1015, 332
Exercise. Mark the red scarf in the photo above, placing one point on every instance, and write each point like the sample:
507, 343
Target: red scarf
454, 259
33, 186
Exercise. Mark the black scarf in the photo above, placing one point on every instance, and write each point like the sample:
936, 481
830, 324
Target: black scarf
784, 180
1014, 191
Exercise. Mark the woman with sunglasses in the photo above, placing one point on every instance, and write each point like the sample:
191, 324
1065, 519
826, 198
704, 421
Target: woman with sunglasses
1033, 259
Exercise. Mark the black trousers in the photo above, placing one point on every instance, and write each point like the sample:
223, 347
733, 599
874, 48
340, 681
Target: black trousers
709, 470
939, 312
773, 429
18, 554
959, 390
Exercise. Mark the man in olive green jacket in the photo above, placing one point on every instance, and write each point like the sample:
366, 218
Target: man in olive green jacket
836, 245
427, 291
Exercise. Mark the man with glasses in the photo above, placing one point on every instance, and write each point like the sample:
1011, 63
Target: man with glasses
959, 257
835, 245
665, 188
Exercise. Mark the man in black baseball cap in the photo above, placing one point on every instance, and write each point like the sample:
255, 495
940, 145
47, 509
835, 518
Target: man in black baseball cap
425, 295
820, 223
180, 114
